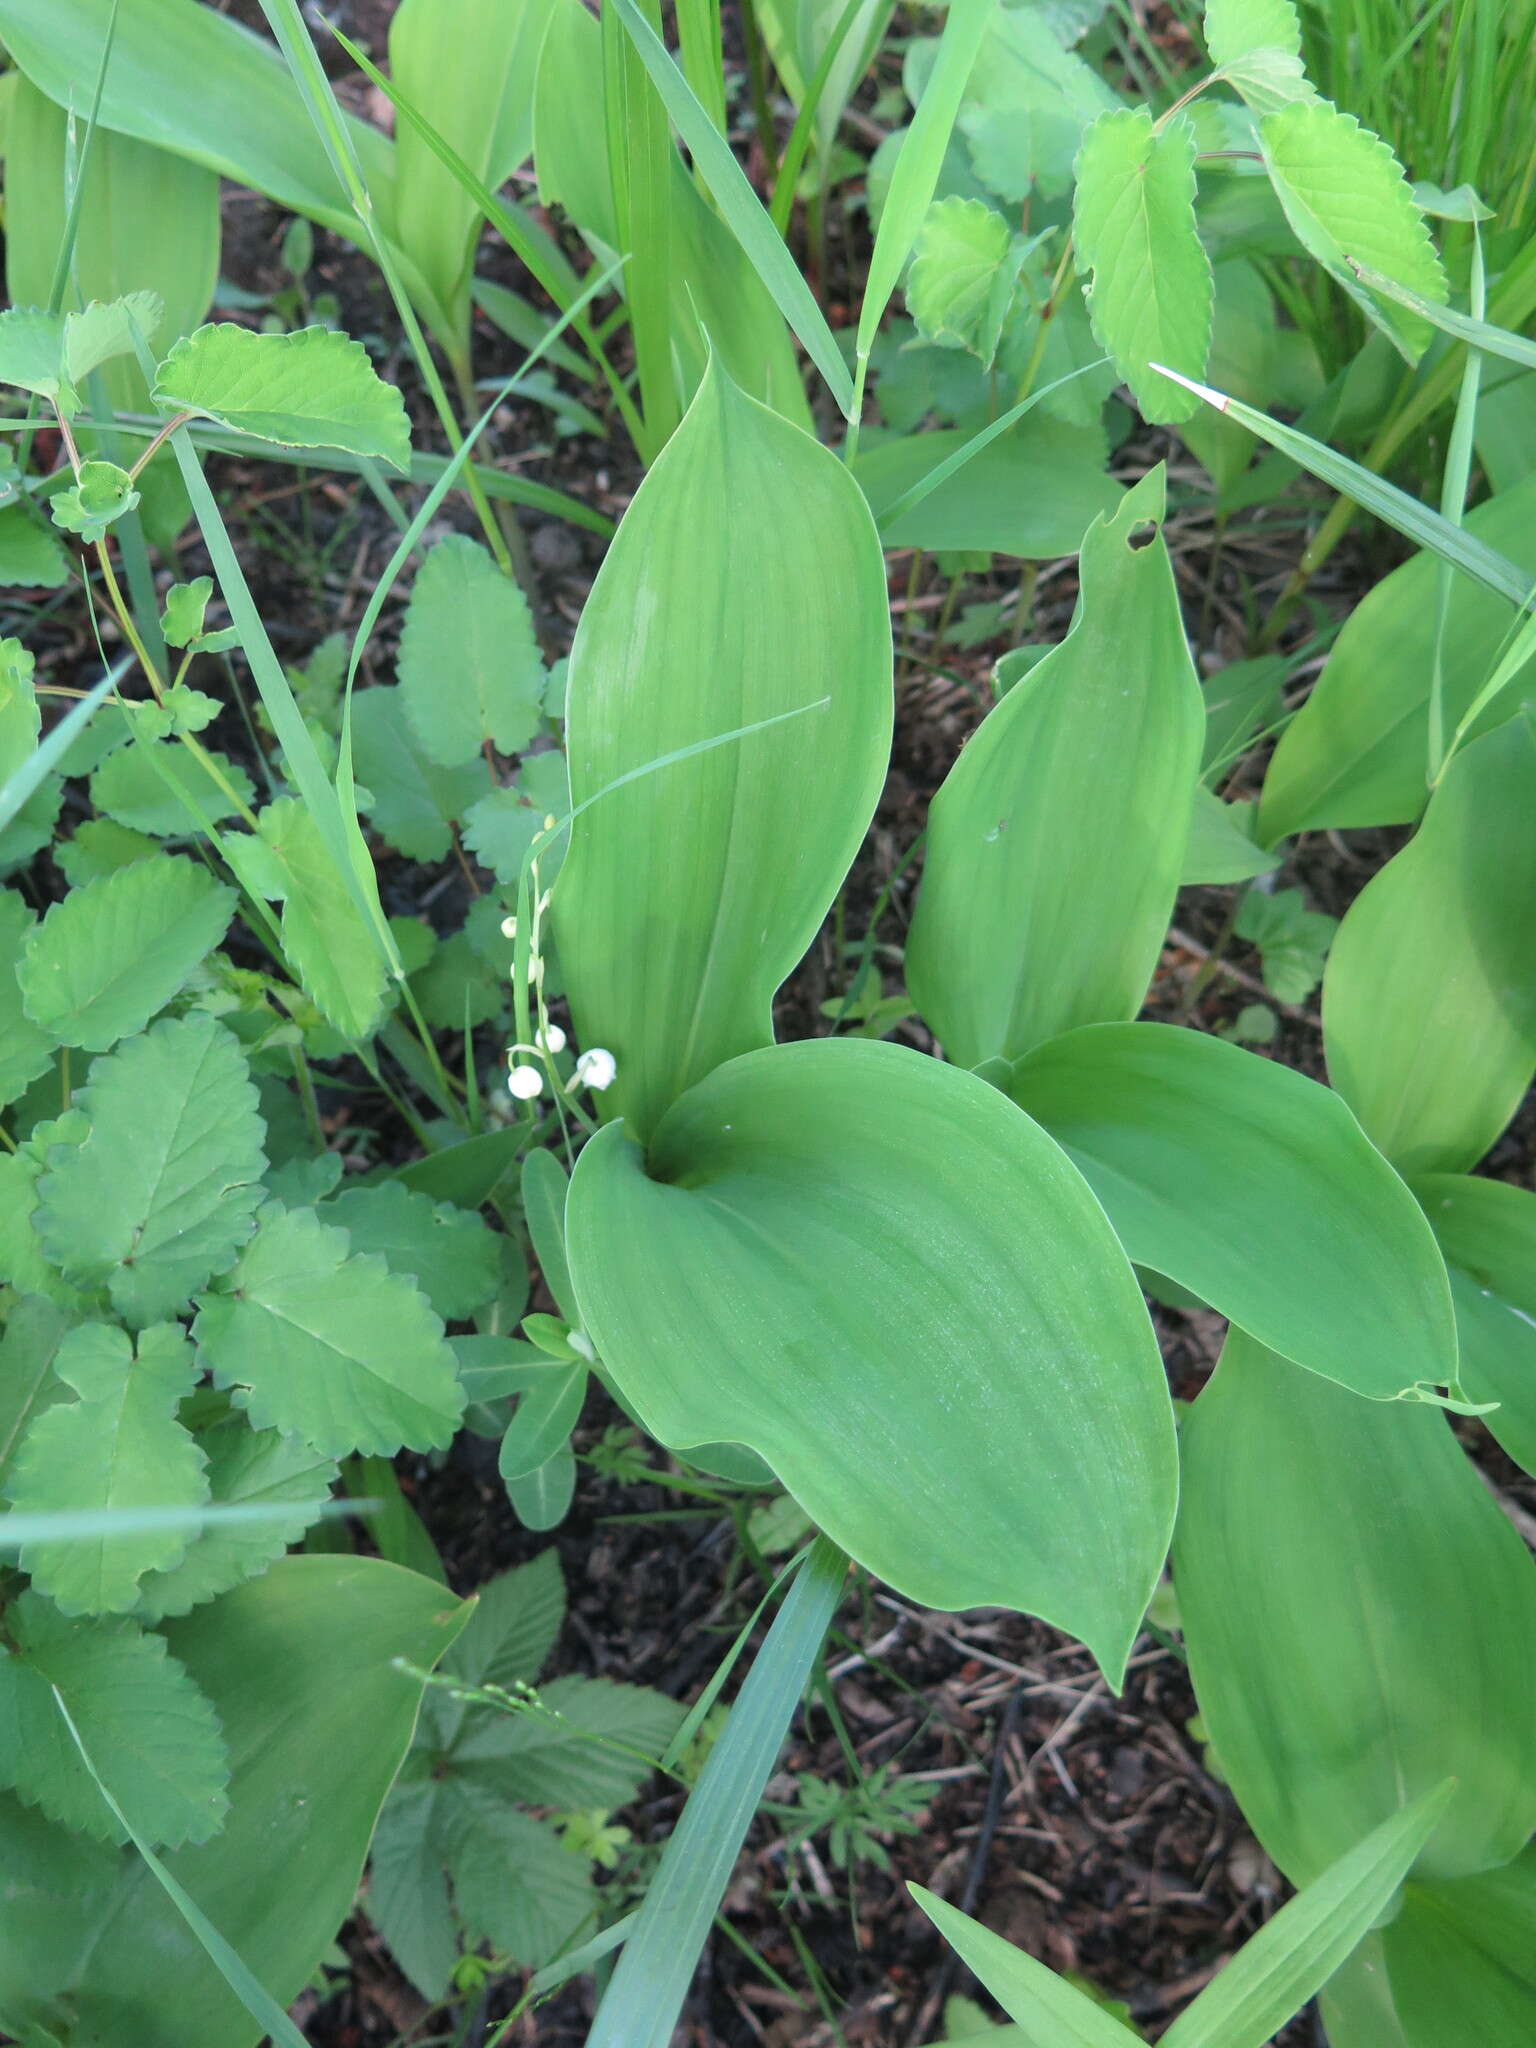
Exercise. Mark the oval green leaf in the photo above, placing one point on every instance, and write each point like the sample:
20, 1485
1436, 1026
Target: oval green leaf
1429, 1000
1355, 753
1360, 1619
880, 1275
1462, 1959
1487, 1231
1056, 843
1232, 1174
746, 584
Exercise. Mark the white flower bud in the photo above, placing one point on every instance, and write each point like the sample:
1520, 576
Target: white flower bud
526, 1083
553, 1038
597, 1069
509, 927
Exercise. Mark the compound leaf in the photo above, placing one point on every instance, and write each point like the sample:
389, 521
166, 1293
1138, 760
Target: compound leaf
1360, 1619
1056, 844
160, 1194
246, 1468
1232, 1175
1151, 295
1429, 1002
151, 1734
690, 892
314, 388
110, 955
1348, 202
449, 1253
118, 1446
470, 668
976, 1325
333, 1349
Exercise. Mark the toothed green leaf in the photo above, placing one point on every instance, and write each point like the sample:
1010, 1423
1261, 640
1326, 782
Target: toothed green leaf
470, 669
312, 389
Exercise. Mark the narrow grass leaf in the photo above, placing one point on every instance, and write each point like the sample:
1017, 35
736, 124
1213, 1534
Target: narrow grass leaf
1051, 2013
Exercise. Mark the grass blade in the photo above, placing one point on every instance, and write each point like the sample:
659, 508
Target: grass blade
740, 206
644, 1998
915, 178
20, 785
1394, 508
1476, 332
258, 2002
781, 200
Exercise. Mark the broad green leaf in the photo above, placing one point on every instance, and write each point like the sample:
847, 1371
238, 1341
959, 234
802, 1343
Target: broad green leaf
151, 1733
413, 803
689, 893
1355, 753
1360, 1619
449, 1253
29, 553
26, 1050
1033, 491
275, 1656
1051, 2012
21, 718
470, 668
1461, 1957
1056, 843
22, 1264
333, 1349
544, 1190
963, 275
1231, 1174
199, 85
1257, 45
1221, 846
500, 828
313, 388
246, 1468
1134, 221
1347, 200
157, 786
541, 1500
545, 1416
29, 1385
1487, 1232
1429, 1003
32, 355
110, 955
118, 1446
324, 935
1293, 1956
975, 1325
106, 328
159, 1197
475, 86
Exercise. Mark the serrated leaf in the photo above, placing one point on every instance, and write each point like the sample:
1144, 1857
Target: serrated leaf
26, 1050
28, 1383
118, 1446
181, 622
1257, 45
100, 847
152, 1736
106, 329
1151, 295
449, 1253
551, 1758
499, 829
143, 786
469, 666
964, 269
246, 1468
1429, 1005
1293, 941
160, 1195
22, 1264
413, 803
32, 355
514, 1881
29, 554
110, 955
1347, 200
1268, 79
101, 494
327, 1347
324, 935
20, 718
314, 388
